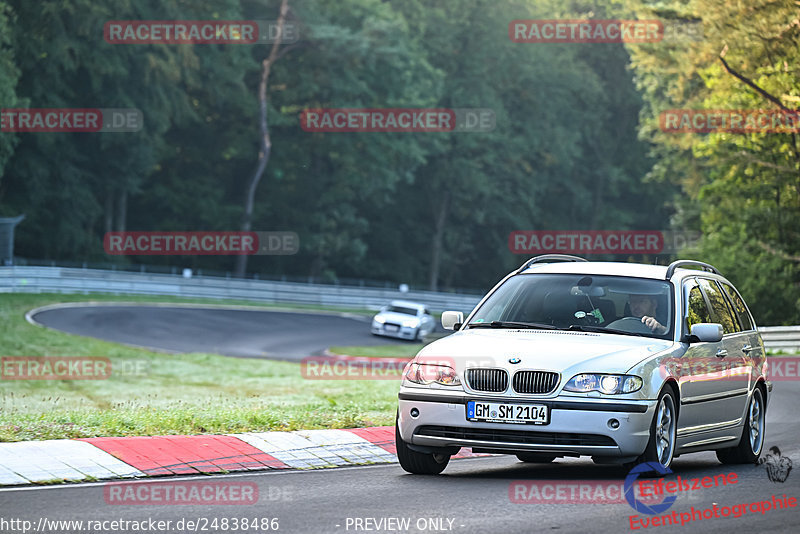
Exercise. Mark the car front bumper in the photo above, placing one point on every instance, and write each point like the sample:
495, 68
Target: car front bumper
577, 426
403, 332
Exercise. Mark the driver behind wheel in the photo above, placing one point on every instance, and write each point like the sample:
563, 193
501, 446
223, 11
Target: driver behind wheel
644, 307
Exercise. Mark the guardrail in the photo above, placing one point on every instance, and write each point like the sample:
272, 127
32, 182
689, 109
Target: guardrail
18, 279
785, 338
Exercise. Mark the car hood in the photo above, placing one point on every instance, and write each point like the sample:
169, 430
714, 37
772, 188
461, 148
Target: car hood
559, 351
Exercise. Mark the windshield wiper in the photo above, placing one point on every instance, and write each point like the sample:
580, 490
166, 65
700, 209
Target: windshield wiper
600, 329
512, 324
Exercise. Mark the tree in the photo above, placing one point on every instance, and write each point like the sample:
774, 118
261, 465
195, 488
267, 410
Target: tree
744, 188
275, 53
9, 74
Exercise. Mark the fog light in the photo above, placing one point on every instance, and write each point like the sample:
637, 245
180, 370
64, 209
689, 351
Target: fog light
613, 424
415, 413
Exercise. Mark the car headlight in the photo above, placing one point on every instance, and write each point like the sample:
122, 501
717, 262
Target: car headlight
423, 373
411, 323
608, 384
378, 319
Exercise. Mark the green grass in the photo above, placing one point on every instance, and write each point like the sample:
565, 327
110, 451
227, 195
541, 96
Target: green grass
381, 351
175, 393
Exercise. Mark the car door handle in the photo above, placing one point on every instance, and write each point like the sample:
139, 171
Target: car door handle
747, 348
721, 353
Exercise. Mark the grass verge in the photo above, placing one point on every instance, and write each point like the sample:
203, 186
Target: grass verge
381, 351
157, 393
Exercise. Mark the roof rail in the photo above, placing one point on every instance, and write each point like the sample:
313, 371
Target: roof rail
690, 263
547, 258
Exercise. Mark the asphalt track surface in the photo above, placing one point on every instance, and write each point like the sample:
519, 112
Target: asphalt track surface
471, 496
248, 333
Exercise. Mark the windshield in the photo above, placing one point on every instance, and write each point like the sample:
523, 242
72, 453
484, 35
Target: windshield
401, 309
613, 304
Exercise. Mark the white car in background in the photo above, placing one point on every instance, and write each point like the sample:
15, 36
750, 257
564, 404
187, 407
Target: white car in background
403, 320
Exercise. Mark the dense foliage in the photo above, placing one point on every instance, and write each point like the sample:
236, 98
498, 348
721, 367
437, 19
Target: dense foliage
742, 190
576, 143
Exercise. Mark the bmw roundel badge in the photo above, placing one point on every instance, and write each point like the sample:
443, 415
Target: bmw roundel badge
514, 360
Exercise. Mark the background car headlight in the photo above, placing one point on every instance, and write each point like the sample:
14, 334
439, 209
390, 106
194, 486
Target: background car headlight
421, 373
378, 319
412, 323
608, 384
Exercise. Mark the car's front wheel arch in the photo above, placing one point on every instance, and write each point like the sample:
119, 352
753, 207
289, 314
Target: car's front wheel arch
663, 429
673, 384
761, 383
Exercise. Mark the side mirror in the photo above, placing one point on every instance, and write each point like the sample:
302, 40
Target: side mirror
705, 332
451, 318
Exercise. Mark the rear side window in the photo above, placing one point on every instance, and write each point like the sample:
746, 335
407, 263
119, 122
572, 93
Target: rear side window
739, 307
696, 308
721, 311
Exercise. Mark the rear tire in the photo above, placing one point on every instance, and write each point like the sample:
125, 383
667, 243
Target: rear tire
752, 441
534, 458
418, 463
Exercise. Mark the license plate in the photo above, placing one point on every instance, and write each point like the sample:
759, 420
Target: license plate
521, 414
391, 328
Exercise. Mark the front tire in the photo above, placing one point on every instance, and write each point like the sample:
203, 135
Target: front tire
752, 441
418, 463
663, 432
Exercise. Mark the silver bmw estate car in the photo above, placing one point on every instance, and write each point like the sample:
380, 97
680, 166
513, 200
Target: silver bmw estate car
625, 363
